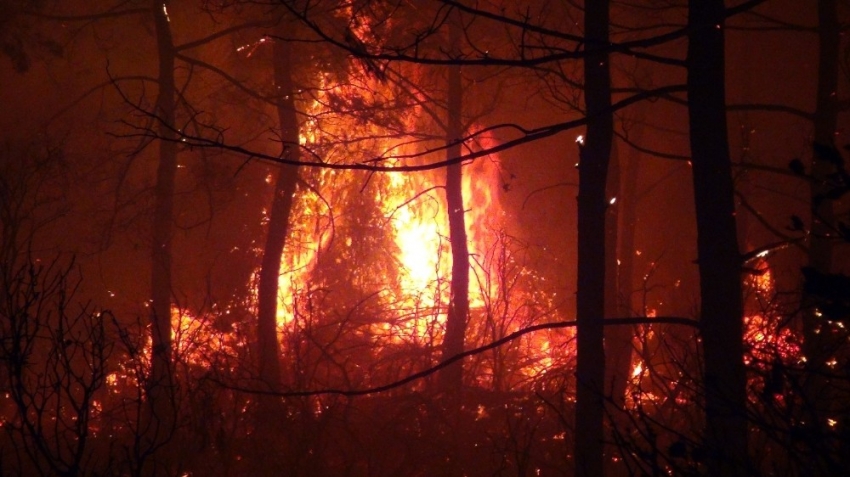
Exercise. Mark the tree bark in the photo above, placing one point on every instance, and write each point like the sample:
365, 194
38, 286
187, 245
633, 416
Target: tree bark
287, 179
721, 307
590, 296
458, 314
160, 387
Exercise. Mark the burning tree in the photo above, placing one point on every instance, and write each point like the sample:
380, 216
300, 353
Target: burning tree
391, 308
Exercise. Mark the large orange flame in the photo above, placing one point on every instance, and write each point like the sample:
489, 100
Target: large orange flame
414, 296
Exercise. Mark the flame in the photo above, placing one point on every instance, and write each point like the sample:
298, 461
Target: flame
764, 332
766, 337
407, 288
307, 238
198, 341
417, 213
420, 231
412, 204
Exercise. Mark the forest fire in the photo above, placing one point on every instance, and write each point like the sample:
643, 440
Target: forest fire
411, 224
768, 340
382, 239
411, 218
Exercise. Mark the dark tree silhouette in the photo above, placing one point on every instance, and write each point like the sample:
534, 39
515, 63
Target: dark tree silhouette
161, 385
458, 314
268, 352
594, 157
819, 346
719, 261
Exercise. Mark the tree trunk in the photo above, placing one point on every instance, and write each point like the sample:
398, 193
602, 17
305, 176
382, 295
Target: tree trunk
278, 228
619, 240
456, 321
825, 119
612, 233
628, 223
618, 339
817, 348
160, 387
721, 308
590, 295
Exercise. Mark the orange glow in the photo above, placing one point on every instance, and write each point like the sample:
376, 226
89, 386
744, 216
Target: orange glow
409, 283
419, 226
418, 218
766, 339
763, 331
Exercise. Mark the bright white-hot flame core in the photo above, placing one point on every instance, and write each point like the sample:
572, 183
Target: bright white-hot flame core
399, 221
419, 235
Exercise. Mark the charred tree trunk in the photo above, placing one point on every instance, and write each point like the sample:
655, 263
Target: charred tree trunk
456, 321
721, 307
160, 387
590, 296
287, 179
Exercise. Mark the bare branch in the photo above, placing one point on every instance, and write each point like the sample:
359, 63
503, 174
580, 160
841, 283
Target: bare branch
672, 320
528, 135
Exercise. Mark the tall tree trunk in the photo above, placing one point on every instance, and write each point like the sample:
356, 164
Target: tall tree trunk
817, 347
825, 120
619, 339
619, 240
456, 321
590, 296
721, 308
628, 223
161, 391
612, 233
278, 228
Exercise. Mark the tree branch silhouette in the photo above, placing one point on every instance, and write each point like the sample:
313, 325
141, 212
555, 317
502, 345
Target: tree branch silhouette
672, 320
